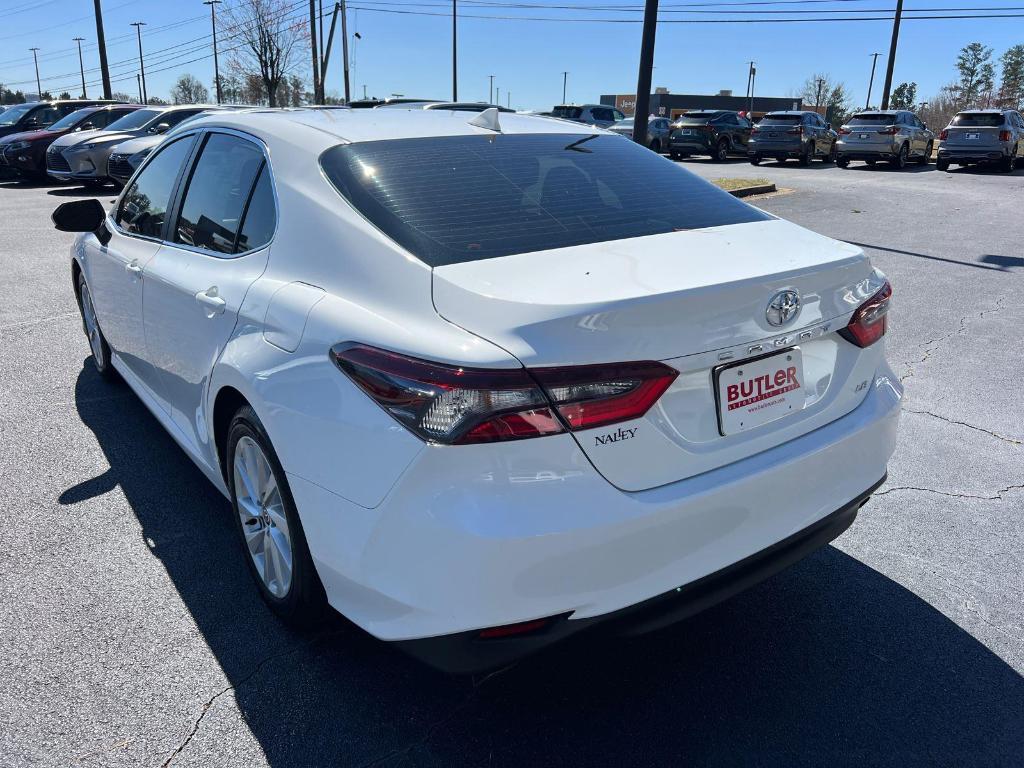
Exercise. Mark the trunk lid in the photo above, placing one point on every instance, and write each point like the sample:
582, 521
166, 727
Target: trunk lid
695, 300
974, 136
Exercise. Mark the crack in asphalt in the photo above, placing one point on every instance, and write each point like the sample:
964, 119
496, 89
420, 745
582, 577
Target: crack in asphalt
931, 345
1004, 438
208, 704
998, 497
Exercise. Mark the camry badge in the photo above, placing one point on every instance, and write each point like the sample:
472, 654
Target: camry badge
783, 307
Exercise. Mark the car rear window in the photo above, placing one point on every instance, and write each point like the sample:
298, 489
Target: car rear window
697, 117
873, 119
453, 199
572, 113
978, 119
780, 119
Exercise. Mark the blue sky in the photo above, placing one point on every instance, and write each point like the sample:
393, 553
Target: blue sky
411, 54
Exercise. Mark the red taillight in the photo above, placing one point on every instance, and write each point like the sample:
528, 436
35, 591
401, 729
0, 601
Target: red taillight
943, 134
458, 406
869, 321
1004, 135
588, 396
890, 130
796, 129
755, 129
844, 131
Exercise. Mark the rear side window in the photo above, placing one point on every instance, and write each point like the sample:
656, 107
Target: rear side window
453, 199
572, 113
221, 183
144, 205
978, 120
260, 217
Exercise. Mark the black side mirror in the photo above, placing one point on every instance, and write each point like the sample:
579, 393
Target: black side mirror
86, 127
79, 216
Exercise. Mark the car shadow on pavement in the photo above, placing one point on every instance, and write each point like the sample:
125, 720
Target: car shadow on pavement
885, 167
82, 192
829, 662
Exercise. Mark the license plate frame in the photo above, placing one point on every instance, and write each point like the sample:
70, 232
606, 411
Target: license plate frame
973, 136
761, 406
863, 136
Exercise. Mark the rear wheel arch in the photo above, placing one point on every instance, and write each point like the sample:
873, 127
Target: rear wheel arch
226, 404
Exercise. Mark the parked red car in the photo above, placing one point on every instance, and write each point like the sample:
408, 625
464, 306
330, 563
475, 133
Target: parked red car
26, 152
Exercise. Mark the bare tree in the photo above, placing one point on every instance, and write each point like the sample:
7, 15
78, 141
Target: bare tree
268, 40
188, 90
822, 91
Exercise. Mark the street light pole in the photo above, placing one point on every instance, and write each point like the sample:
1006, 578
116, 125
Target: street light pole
565, 79
871, 82
313, 52
81, 65
216, 66
39, 87
142, 67
455, 59
490, 92
100, 42
892, 53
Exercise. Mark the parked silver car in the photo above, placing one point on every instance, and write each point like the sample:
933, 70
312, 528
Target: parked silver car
84, 158
658, 130
600, 115
896, 136
982, 136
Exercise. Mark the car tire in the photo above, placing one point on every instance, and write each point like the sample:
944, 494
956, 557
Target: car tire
807, 154
842, 162
655, 146
870, 162
273, 542
755, 159
832, 155
721, 151
93, 183
674, 155
927, 156
91, 326
900, 161
1008, 163
941, 164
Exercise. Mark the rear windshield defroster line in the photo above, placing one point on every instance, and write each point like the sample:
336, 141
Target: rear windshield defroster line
453, 199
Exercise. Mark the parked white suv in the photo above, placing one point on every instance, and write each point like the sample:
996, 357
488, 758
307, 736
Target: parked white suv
482, 385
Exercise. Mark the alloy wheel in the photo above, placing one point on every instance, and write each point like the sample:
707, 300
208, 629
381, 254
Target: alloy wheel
264, 523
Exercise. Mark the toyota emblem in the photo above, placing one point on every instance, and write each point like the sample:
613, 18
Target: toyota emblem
783, 307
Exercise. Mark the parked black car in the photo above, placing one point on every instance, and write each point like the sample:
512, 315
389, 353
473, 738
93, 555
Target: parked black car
718, 133
36, 115
803, 135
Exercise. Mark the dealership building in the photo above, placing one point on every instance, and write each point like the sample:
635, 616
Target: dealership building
665, 104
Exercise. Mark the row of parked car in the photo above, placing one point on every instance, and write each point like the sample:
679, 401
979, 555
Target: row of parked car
91, 142
898, 137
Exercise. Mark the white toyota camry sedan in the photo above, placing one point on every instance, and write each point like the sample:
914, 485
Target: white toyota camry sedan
481, 382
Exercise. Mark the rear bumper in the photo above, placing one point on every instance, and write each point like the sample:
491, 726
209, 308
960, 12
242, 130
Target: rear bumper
697, 145
957, 154
467, 653
772, 149
485, 536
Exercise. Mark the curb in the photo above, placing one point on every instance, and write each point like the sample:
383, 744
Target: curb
760, 189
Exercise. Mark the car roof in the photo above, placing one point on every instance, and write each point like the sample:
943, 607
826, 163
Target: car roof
790, 112
880, 111
985, 110
326, 128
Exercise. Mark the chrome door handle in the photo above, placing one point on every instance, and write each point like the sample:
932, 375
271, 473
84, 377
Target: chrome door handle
134, 269
213, 303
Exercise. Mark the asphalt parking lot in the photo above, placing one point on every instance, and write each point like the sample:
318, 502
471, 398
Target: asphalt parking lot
130, 633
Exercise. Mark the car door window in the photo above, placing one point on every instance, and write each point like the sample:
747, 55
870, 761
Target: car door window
173, 118
45, 116
260, 218
618, 115
144, 205
220, 186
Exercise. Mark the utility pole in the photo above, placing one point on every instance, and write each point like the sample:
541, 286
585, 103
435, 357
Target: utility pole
643, 80
817, 98
455, 60
364, 93
344, 47
508, 97
103, 49
81, 65
497, 93
871, 82
313, 52
753, 82
35, 58
751, 71
490, 92
142, 67
565, 80
892, 53
138, 82
213, 23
